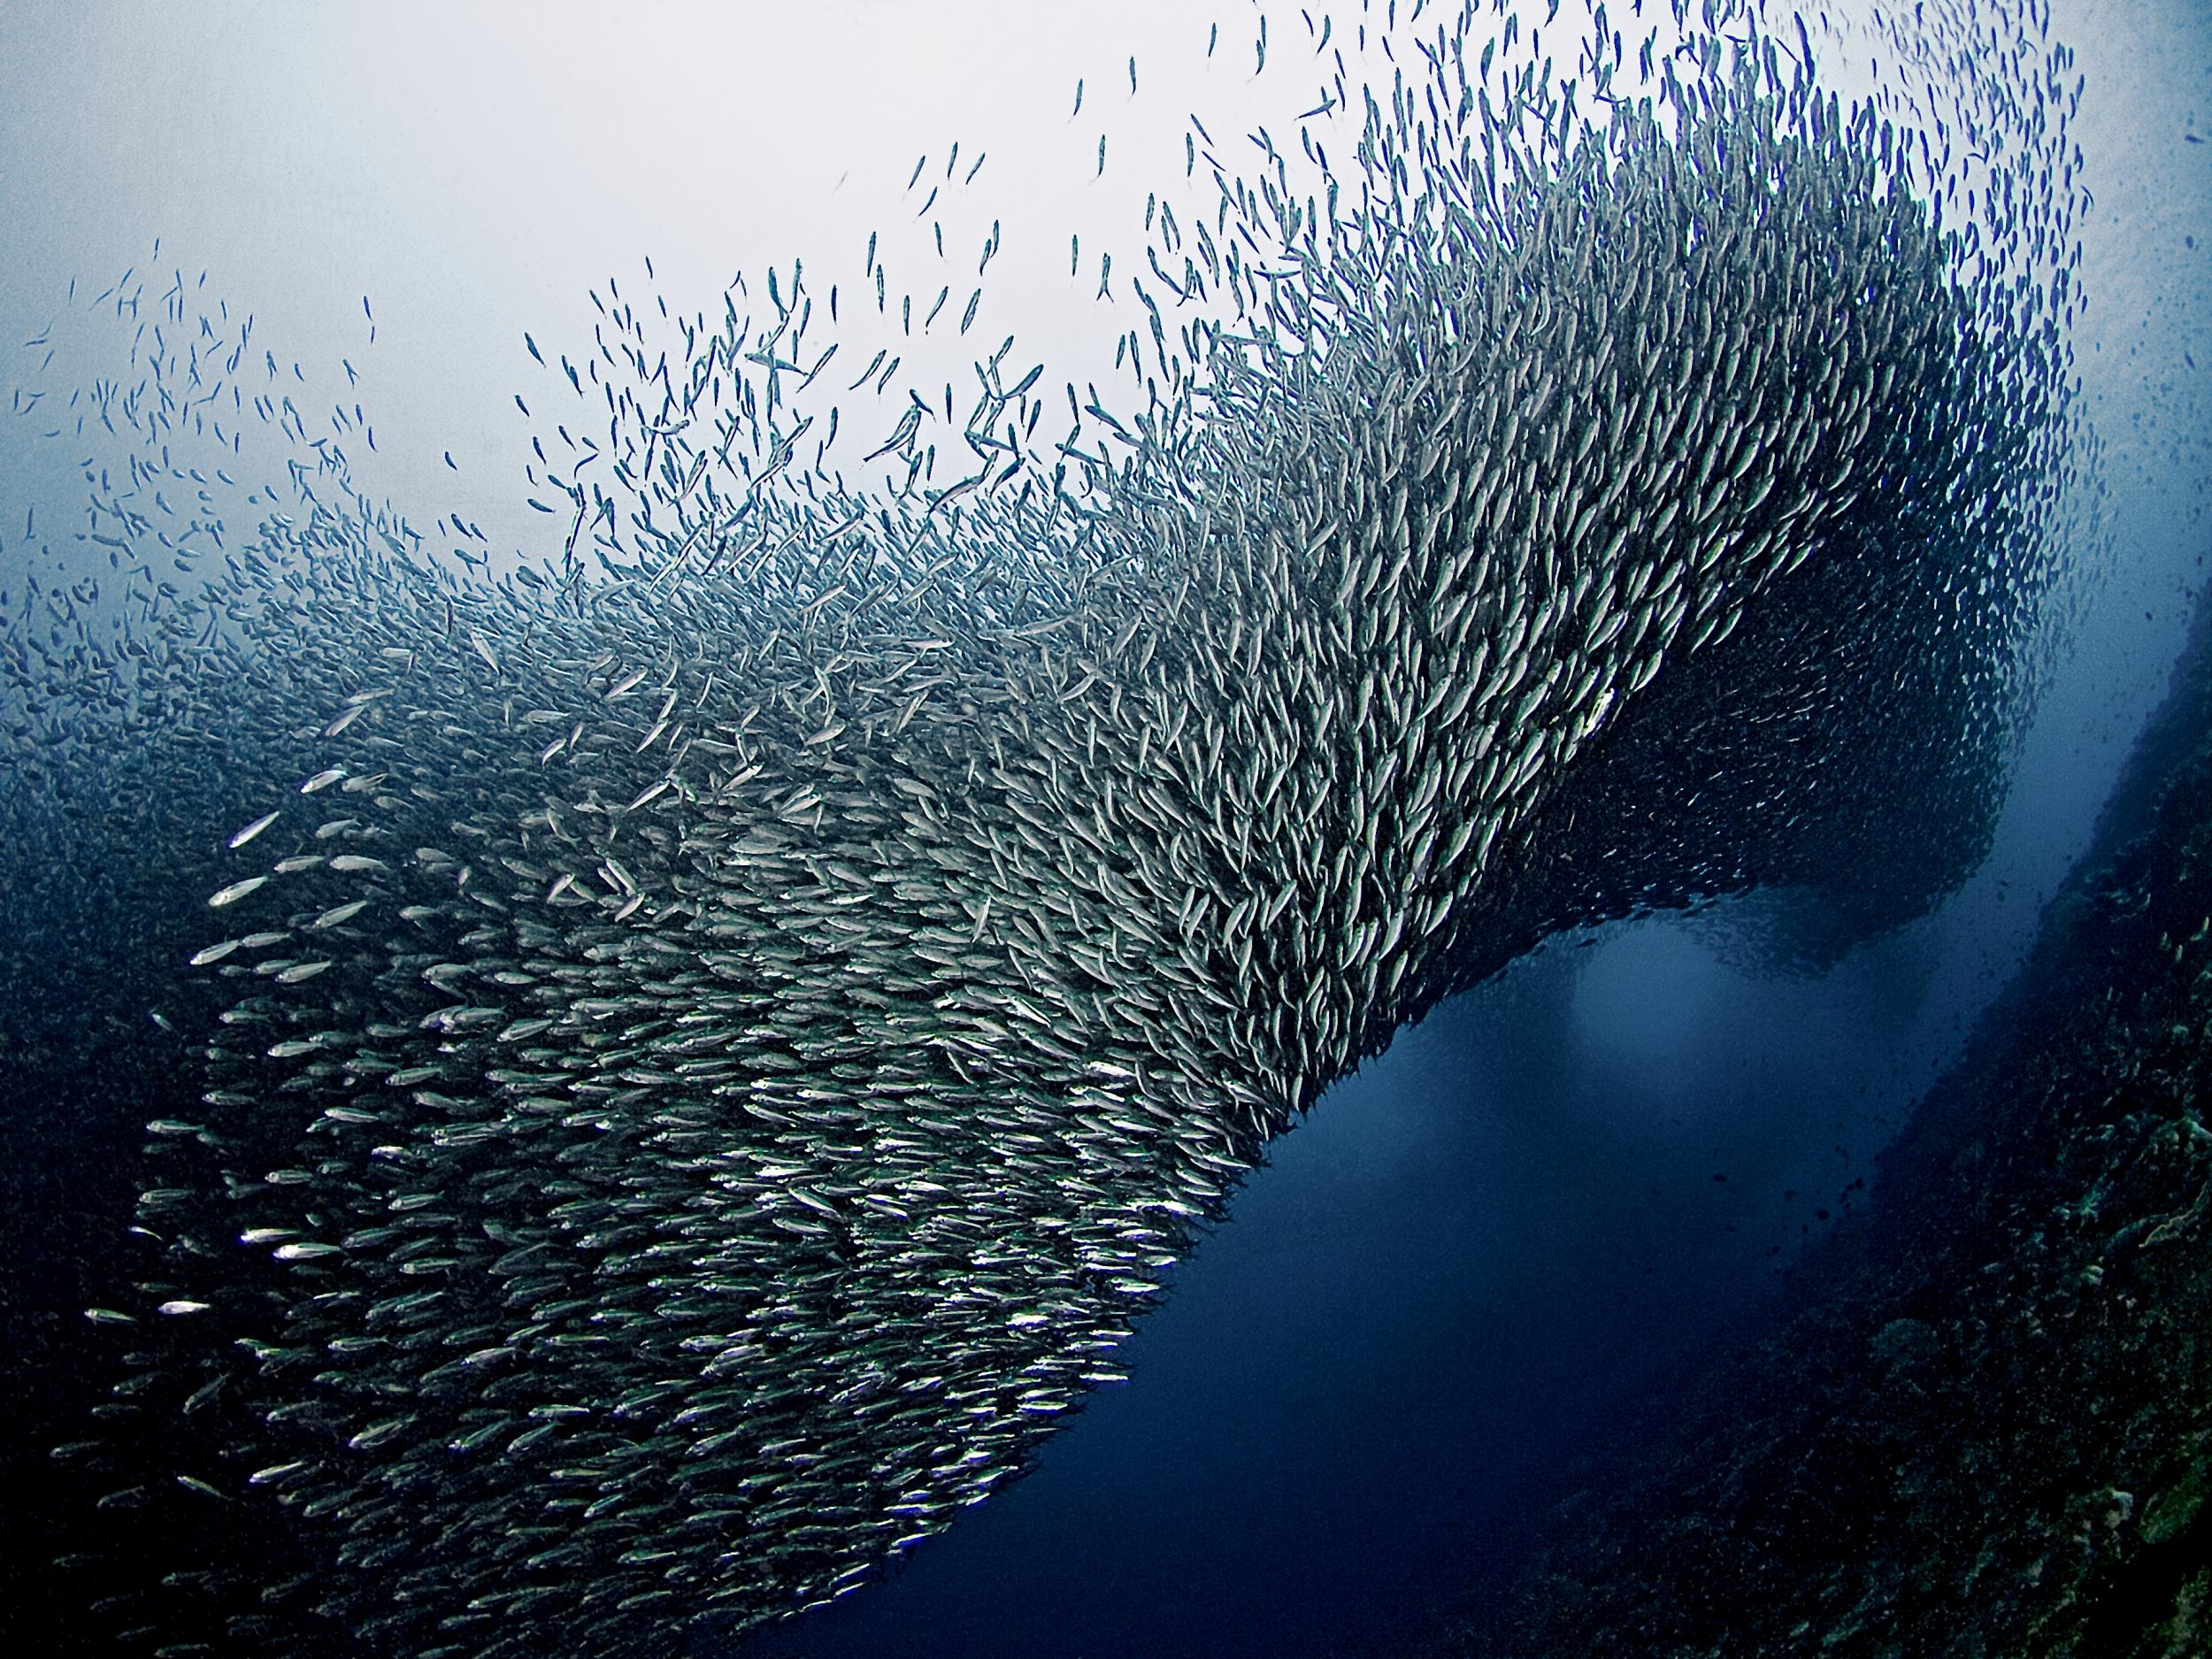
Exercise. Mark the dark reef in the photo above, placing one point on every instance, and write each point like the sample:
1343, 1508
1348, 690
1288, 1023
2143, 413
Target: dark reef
1985, 1425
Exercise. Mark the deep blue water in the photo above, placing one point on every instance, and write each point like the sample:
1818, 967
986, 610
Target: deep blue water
1465, 1263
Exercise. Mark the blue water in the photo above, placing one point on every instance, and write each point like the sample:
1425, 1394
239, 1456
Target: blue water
1467, 1259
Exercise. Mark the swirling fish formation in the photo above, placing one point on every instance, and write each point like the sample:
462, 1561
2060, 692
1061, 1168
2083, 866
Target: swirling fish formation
711, 1057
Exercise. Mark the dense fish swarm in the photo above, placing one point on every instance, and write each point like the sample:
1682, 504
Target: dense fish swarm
707, 1055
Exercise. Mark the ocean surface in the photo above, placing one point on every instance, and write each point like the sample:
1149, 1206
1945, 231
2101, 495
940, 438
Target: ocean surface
1546, 1204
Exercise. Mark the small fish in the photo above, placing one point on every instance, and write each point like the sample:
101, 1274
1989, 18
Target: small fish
237, 891
978, 791
251, 830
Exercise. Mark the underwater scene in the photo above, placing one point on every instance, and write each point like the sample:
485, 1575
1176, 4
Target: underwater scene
1027, 831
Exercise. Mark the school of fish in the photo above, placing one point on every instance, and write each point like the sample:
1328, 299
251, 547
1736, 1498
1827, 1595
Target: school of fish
705, 1058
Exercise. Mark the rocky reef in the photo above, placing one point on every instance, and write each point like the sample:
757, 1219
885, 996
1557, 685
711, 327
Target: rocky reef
1987, 1428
